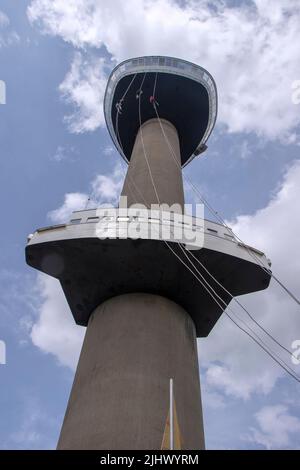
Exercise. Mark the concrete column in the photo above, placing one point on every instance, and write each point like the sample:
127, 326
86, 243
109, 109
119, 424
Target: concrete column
167, 175
134, 344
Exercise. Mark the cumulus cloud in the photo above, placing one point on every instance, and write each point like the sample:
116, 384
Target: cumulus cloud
276, 428
8, 36
55, 331
4, 20
72, 202
59, 155
33, 427
251, 49
83, 87
233, 363
64, 154
104, 189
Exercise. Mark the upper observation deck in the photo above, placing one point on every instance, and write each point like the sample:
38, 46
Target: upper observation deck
178, 91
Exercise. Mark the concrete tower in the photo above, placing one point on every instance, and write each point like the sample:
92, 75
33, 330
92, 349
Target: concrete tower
142, 307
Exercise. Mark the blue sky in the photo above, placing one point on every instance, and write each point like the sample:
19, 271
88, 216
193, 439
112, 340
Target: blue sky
54, 149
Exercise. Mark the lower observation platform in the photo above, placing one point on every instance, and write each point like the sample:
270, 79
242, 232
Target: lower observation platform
95, 258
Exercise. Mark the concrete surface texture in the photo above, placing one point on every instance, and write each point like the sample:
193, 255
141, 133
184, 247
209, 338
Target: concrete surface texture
167, 175
134, 344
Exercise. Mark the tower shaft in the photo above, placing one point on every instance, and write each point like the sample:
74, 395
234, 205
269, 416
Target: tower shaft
136, 342
120, 397
165, 166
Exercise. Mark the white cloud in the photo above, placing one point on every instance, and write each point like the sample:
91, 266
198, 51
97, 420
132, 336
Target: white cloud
18, 304
104, 189
84, 87
8, 36
64, 154
224, 378
245, 150
107, 188
251, 50
4, 20
60, 154
55, 331
211, 398
276, 428
72, 202
235, 365
275, 228
109, 150
35, 428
